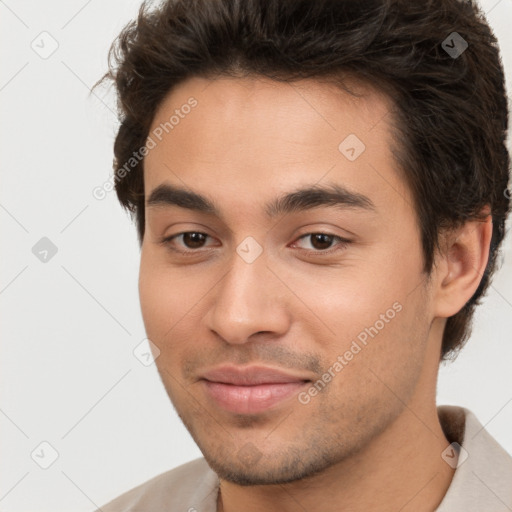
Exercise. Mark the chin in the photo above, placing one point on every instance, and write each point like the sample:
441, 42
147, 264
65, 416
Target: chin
267, 470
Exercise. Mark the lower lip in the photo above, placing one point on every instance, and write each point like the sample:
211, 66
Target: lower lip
251, 399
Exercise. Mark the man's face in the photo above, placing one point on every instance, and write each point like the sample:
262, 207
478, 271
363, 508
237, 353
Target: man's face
289, 337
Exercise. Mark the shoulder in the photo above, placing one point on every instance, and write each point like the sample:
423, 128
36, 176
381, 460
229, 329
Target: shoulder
190, 487
483, 473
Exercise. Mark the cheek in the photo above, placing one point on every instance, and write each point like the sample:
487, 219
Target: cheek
158, 295
370, 319
377, 368
395, 342
172, 300
343, 302
162, 308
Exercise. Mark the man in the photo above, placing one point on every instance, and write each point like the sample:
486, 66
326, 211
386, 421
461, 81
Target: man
320, 191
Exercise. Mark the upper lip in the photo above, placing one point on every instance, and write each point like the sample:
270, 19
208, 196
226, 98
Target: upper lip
250, 375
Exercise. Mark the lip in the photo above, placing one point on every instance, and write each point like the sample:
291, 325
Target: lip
250, 390
250, 375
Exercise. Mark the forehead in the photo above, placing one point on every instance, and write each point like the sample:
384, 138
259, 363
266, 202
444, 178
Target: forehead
244, 133
258, 102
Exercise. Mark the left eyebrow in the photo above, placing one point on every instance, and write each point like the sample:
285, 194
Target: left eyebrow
332, 195
302, 199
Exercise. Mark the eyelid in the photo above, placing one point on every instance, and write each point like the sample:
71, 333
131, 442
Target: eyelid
166, 242
342, 244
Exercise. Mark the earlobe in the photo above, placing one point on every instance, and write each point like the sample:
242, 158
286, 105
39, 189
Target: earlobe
462, 265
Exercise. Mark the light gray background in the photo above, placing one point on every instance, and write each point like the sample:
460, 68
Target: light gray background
68, 374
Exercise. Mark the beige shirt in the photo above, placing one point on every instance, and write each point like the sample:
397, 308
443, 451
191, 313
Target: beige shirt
482, 481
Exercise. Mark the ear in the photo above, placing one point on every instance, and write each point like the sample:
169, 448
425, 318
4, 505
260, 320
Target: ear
461, 265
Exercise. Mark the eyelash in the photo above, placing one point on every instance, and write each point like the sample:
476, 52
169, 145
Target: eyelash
343, 243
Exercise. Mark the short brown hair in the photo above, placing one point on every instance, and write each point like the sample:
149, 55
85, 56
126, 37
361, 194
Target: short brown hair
450, 114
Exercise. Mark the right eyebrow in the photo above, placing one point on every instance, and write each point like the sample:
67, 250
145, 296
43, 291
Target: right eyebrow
167, 195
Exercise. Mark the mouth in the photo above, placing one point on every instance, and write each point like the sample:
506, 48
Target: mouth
250, 390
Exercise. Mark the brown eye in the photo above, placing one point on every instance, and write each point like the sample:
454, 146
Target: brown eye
186, 242
321, 241
193, 239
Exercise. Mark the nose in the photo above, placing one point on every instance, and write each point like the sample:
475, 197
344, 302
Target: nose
248, 300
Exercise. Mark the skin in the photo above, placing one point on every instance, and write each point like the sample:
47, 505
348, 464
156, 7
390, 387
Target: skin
372, 438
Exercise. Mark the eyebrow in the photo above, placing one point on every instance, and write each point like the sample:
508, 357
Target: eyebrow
301, 199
